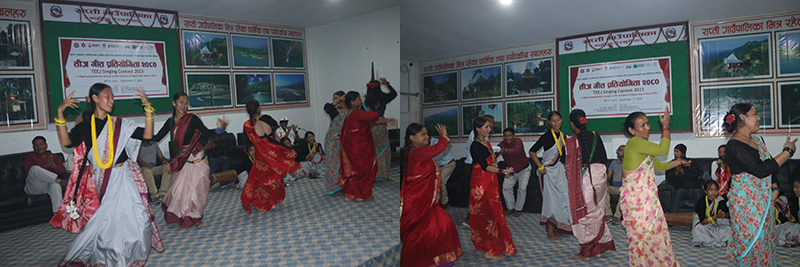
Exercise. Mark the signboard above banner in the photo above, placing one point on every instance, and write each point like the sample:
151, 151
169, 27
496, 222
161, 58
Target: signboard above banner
188, 22
623, 39
62, 12
489, 58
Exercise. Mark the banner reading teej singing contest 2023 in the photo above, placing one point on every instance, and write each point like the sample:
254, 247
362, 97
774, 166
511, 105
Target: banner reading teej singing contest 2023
615, 89
124, 65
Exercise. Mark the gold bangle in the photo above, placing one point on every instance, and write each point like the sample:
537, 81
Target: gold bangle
146, 104
59, 121
146, 118
61, 124
541, 168
150, 110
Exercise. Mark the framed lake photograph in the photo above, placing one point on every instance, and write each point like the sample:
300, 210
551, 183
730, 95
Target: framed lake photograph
250, 51
208, 90
480, 83
440, 88
735, 58
290, 88
18, 105
15, 45
788, 104
446, 116
788, 53
529, 117
205, 49
718, 100
469, 112
288, 53
533, 77
256, 86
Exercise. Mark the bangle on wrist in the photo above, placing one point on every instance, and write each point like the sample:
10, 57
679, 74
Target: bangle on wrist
541, 168
790, 150
59, 121
665, 129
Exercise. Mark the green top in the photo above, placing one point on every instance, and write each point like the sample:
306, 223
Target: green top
637, 149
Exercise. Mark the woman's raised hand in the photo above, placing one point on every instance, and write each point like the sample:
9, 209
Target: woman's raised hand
68, 102
442, 131
222, 122
665, 118
140, 94
790, 143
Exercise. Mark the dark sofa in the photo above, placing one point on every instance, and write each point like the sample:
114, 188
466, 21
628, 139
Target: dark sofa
18, 209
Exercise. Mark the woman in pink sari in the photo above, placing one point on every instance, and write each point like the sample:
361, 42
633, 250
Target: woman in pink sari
586, 176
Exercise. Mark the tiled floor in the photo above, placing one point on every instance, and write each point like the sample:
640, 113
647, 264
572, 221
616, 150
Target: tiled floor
314, 229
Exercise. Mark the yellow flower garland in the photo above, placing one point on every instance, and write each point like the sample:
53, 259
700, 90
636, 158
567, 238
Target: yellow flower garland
708, 211
98, 160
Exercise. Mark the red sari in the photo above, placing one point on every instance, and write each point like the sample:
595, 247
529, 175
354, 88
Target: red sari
359, 165
490, 231
264, 187
427, 232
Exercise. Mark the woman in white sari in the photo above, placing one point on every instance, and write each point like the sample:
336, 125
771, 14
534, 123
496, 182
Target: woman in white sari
555, 191
121, 231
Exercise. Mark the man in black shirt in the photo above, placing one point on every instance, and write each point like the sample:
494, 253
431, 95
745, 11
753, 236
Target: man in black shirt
686, 180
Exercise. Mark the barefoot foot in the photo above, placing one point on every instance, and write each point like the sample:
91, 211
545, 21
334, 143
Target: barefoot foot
580, 257
492, 257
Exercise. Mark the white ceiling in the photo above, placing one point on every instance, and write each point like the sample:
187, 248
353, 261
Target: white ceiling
432, 29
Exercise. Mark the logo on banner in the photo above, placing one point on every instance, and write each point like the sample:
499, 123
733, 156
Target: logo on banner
568, 45
671, 32
76, 45
56, 11
163, 19
581, 70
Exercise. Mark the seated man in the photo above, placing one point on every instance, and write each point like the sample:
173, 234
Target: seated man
286, 131
149, 154
615, 182
686, 180
217, 164
306, 150
43, 169
514, 155
446, 165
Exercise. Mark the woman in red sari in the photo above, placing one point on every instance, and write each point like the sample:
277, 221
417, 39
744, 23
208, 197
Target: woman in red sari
264, 187
427, 232
490, 232
359, 165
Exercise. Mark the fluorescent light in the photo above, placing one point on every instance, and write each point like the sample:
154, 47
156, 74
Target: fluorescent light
505, 2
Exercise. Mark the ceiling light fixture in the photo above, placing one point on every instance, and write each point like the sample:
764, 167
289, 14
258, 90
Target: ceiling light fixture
505, 2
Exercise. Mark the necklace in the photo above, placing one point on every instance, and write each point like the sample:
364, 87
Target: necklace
708, 211
485, 143
310, 149
110, 142
749, 139
556, 138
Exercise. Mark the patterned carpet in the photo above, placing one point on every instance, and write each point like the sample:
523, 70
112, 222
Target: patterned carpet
314, 229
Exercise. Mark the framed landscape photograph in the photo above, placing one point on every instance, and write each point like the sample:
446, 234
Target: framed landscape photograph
208, 90
469, 112
205, 49
717, 101
788, 53
256, 86
290, 88
735, 58
532, 77
446, 116
529, 117
15, 45
440, 88
789, 104
18, 105
480, 83
288, 53
250, 51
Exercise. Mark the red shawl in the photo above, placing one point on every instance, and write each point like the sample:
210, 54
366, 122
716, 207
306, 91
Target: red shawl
86, 201
573, 166
178, 133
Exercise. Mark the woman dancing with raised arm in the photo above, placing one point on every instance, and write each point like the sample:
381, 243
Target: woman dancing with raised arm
121, 230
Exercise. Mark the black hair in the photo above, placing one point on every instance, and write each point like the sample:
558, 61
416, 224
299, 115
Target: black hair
575, 117
339, 93
736, 110
553, 113
350, 97
285, 139
38, 138
309, 132
95, 89
478, 122
721, 146
488, 117
412, 129
177, 96
371, 102
630, 122
708, 184
252, 107
509, 129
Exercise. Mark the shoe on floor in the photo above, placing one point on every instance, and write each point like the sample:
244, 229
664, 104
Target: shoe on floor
517, 213
465, 224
